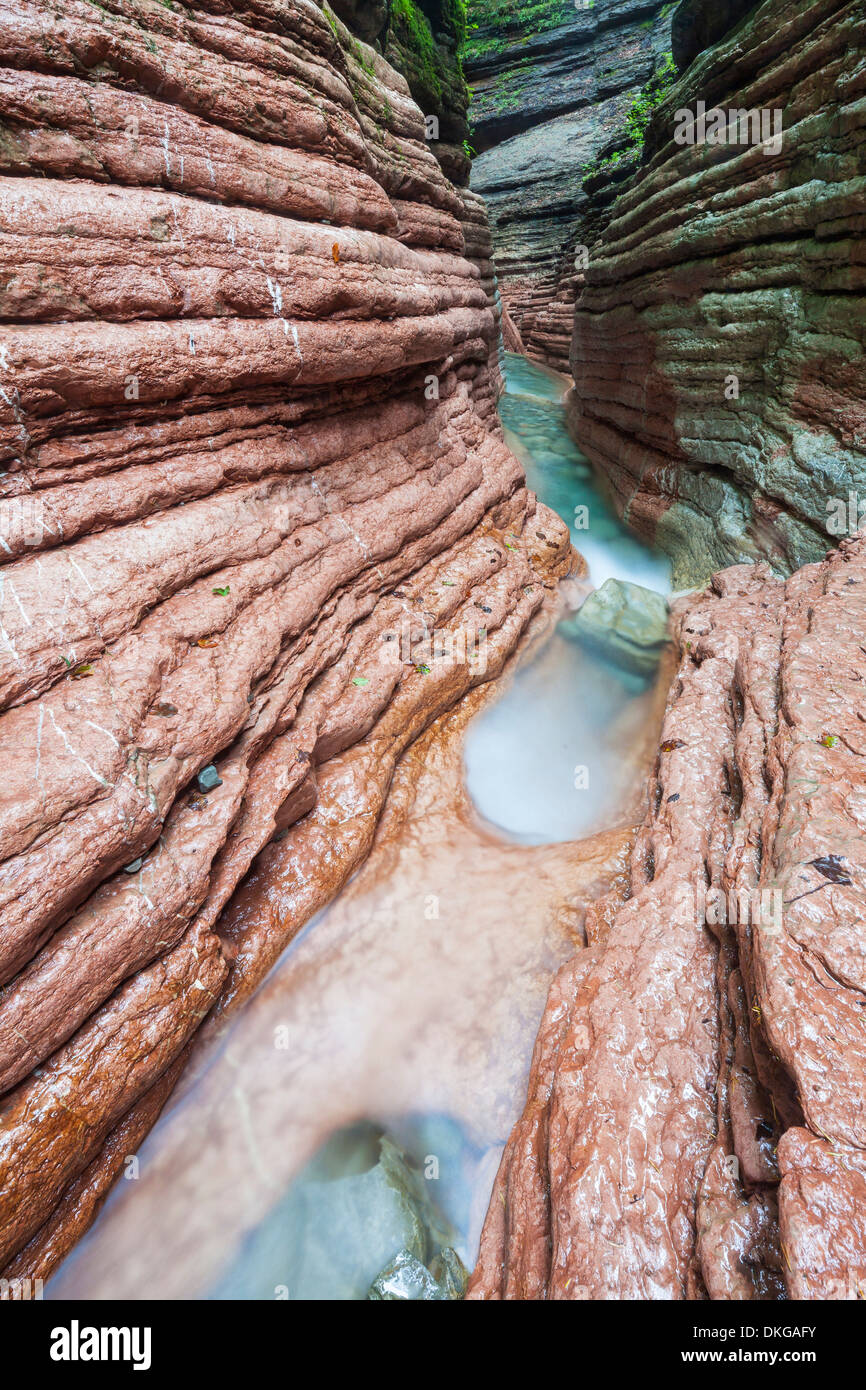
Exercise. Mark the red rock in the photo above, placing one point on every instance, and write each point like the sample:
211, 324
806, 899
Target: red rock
692, 1041
249, 375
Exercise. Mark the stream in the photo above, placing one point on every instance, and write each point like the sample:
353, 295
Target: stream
359, 1103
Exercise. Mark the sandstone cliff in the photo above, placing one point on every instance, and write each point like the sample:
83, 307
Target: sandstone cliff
552, 87
423, 39
696, 1123
250, 463
718, 351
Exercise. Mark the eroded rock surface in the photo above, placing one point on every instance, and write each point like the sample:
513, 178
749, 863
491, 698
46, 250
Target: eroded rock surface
695, 1125
718, 352
251, 465
551, 87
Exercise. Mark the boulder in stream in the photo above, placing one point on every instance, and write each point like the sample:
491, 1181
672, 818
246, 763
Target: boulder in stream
627, 623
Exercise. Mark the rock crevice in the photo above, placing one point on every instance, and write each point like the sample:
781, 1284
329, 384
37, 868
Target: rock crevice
696, 1091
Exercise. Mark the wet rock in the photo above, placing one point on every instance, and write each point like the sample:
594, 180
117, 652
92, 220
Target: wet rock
726, 433
251, 271
406, 1279
627, 623
709, 1039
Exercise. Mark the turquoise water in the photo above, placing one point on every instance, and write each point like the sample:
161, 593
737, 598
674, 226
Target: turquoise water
533, 416
554, 758
264, 1178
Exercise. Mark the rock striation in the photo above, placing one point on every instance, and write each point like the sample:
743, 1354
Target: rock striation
695, 1125
718, 351
251, 468
423, 39
551, 88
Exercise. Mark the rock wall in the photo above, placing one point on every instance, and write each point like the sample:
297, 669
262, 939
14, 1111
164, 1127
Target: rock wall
696, 1123
423, 39
718, 353
552, 85
250, 464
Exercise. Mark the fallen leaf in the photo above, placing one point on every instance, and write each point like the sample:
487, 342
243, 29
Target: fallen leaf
335, 252
360, 680
208, 642
830, 865
85, 668
222, 593
671, 744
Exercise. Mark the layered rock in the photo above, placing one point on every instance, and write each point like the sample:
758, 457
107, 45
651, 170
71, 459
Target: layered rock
423, 39
250, 463
718, 352
551, 88
695, 1125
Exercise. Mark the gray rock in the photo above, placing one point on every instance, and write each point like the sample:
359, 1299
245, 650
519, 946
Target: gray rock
407, 1280
208, 779
627, 623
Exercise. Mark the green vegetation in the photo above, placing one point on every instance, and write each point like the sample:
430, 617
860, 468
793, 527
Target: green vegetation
637, 120
434, 67
651, 96
513, 18
508, 89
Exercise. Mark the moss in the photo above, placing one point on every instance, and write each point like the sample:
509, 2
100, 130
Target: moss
508, 89
413, 30
637, 120
506, 22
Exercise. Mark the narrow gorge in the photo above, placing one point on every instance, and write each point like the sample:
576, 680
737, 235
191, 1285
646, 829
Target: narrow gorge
432, 646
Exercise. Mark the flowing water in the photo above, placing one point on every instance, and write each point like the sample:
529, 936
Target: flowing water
570, 716
360, 1101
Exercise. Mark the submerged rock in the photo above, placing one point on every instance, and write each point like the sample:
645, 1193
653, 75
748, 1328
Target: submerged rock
359, 1222
238, 484
406, 1279
627, 623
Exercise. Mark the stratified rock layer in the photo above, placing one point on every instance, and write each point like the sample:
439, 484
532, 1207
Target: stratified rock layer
696, 1119
250, 464
551, 87
718, 353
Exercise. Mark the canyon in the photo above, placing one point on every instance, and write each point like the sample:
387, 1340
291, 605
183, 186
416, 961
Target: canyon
370, 373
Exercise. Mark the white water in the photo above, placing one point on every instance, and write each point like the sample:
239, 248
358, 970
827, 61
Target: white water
418, 1021
571, 717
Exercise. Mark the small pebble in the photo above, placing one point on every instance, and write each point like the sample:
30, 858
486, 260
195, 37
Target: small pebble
208, 779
